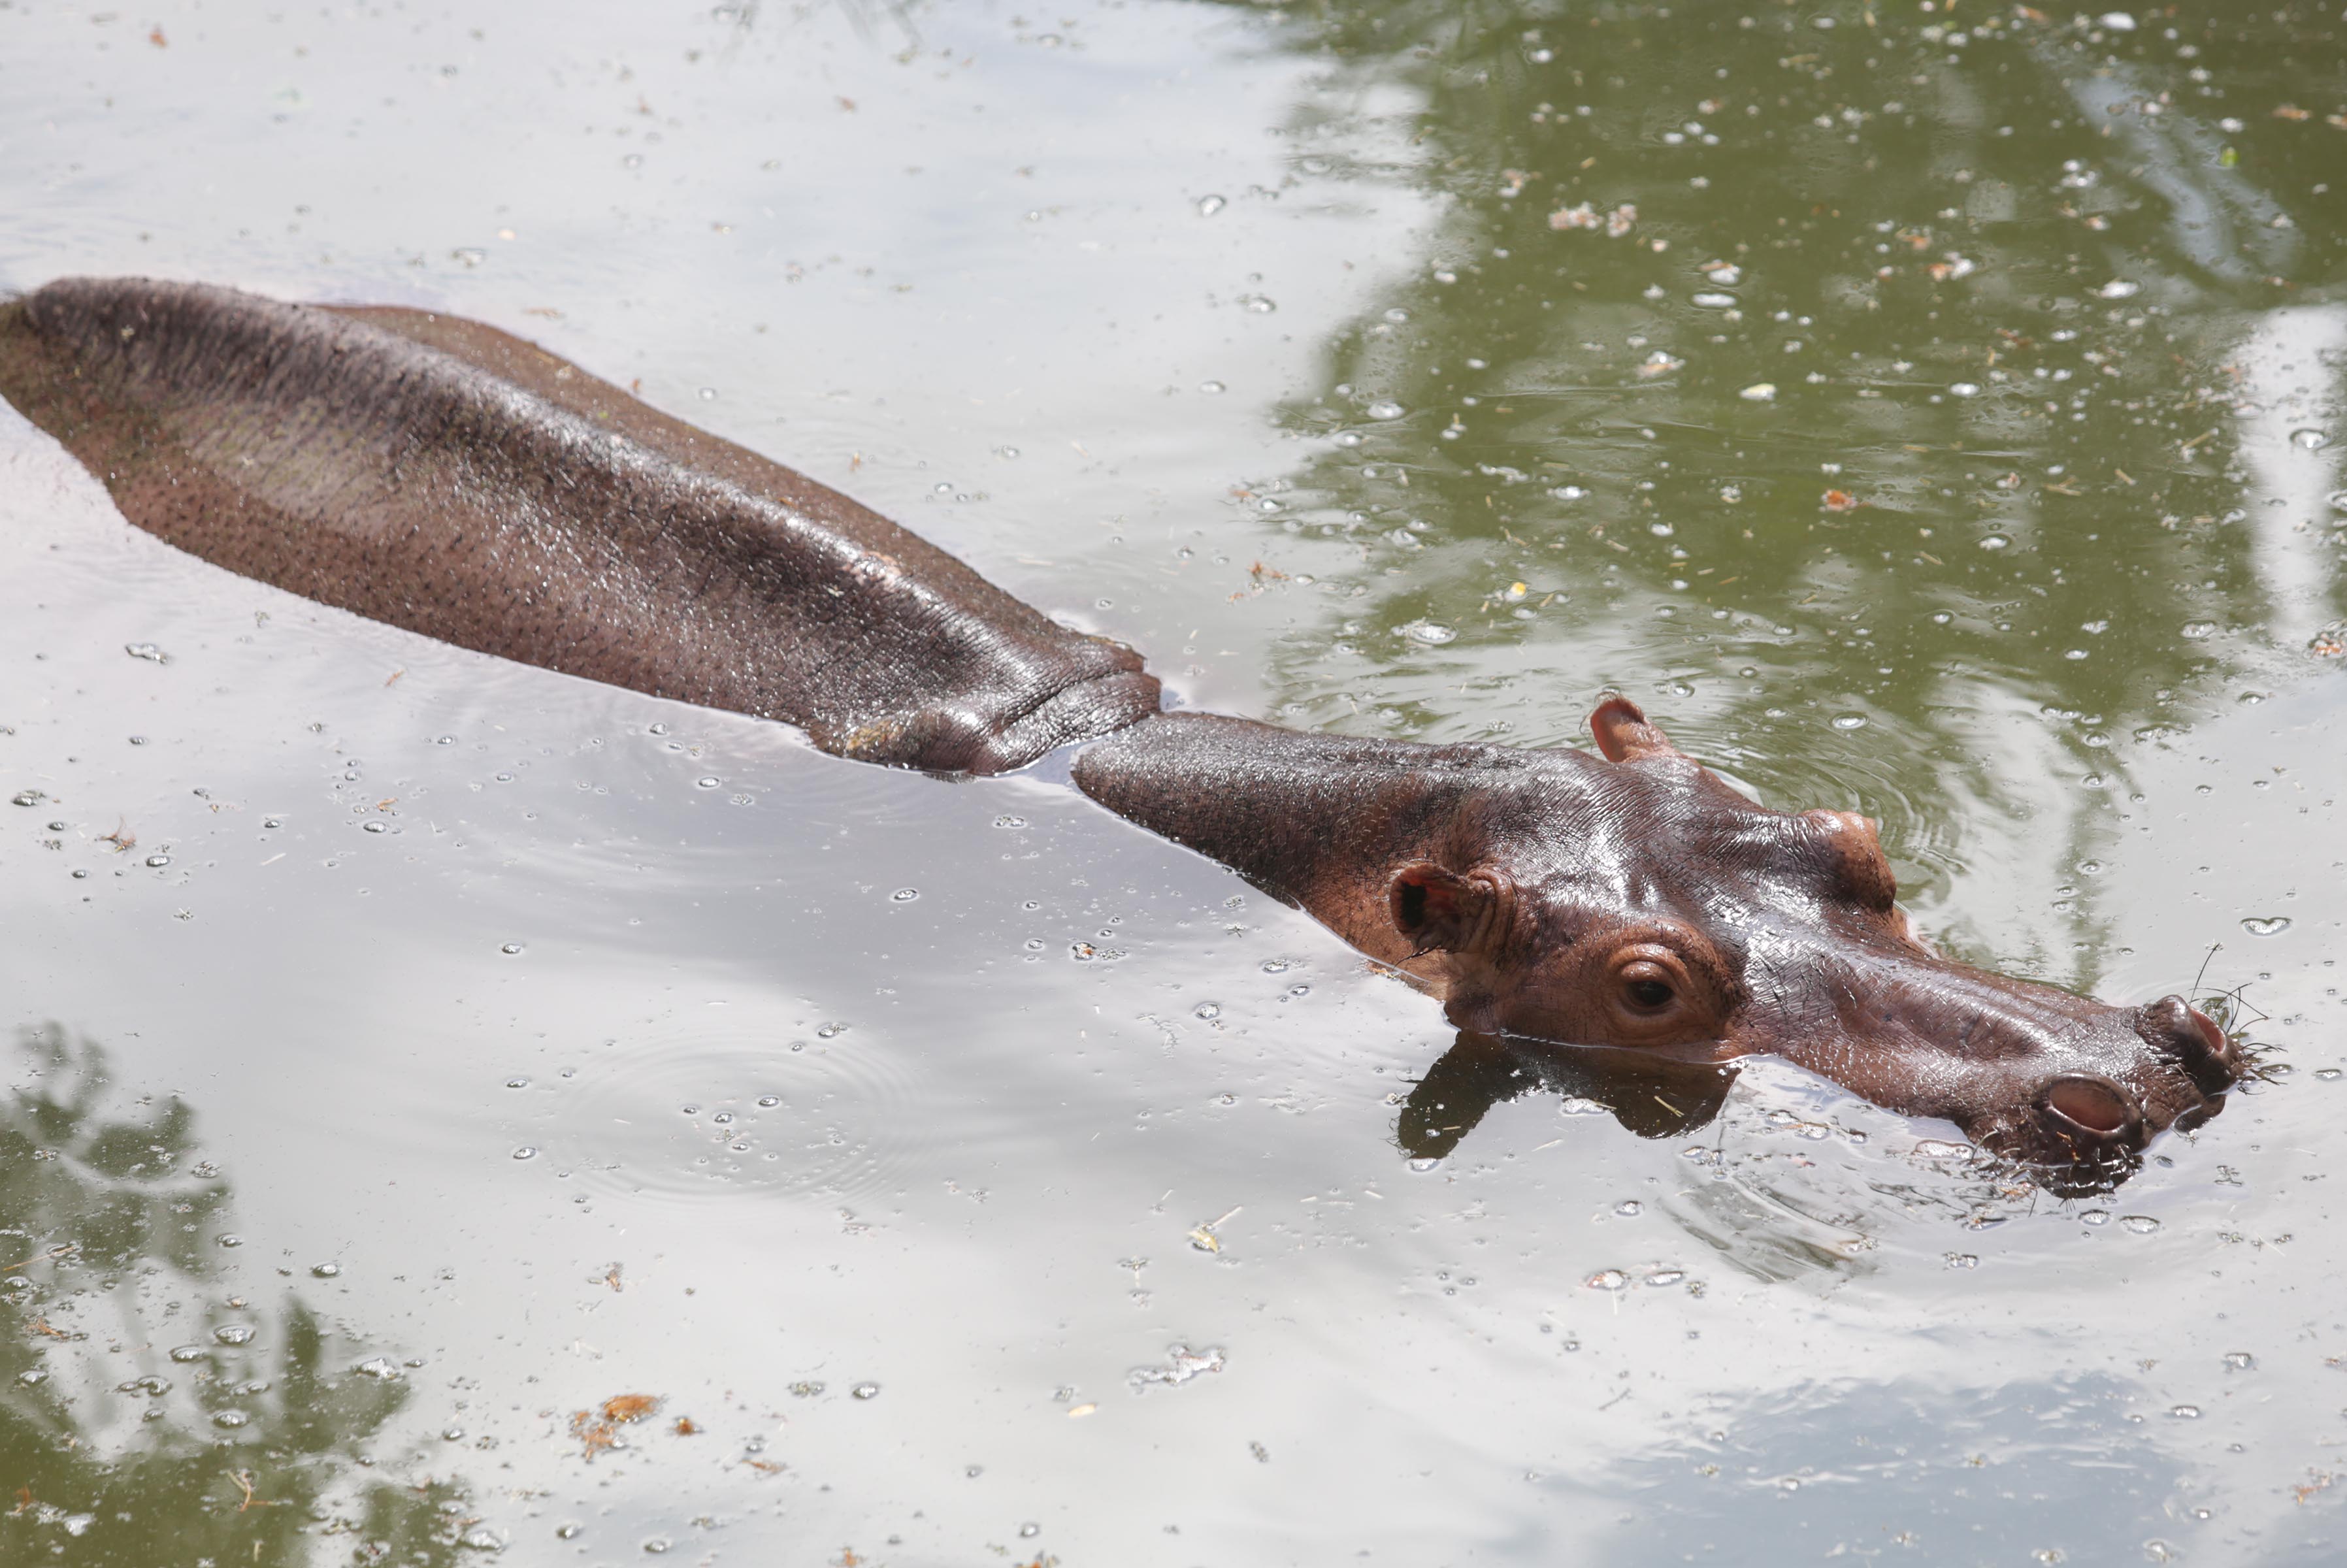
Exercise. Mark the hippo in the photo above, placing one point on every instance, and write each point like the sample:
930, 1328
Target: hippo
1628, 904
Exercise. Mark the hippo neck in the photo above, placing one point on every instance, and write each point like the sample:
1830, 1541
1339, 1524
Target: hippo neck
1324, 821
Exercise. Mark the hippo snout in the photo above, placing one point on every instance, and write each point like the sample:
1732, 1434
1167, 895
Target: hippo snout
2085, 1128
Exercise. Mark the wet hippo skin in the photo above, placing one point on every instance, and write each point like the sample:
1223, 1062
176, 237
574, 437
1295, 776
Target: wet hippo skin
446, 477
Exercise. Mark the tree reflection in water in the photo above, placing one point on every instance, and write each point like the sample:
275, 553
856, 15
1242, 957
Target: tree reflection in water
1892, 403
152, 1413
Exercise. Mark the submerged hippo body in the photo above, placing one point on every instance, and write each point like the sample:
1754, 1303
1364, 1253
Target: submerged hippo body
446, 477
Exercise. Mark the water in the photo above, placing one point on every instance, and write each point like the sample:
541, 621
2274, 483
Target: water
917, 1276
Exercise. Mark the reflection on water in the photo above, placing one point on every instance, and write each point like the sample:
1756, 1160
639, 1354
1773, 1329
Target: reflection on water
1852, 1468
1905, 411
1651, 1097
159, 1406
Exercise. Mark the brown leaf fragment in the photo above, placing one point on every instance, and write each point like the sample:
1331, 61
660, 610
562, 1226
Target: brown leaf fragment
597, 1429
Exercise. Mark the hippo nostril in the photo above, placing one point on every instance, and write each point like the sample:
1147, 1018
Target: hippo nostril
2206, 1028
2096, 1106
2192, 1039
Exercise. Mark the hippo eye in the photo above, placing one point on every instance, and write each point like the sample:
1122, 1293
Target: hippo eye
1647, 992
1652, 994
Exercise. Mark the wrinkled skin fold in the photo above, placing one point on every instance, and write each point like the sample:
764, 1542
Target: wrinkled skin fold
444, 477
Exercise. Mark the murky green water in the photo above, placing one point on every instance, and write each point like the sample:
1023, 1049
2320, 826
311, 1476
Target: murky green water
1935, 413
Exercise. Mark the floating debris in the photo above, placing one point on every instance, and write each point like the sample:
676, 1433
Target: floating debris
598, 1429
1181, 1364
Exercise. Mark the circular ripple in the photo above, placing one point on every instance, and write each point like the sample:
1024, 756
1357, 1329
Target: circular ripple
740, 1110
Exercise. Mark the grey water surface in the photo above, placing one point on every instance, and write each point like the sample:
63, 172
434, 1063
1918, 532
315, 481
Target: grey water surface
1935, 412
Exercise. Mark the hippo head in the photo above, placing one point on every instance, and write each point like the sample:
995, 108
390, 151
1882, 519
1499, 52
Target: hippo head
1641, 902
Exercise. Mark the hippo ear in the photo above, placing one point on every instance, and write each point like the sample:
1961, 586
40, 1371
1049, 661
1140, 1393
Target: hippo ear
1433, 907
1625, 735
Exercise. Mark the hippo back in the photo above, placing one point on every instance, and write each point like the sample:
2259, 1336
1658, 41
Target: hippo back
446, 477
